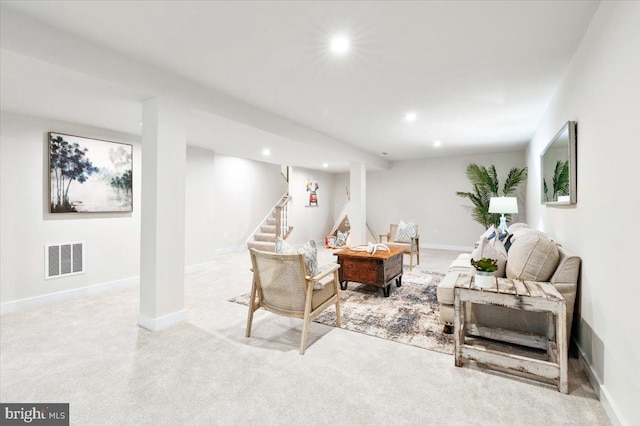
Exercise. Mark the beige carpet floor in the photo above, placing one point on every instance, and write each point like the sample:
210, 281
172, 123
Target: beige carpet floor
88, 351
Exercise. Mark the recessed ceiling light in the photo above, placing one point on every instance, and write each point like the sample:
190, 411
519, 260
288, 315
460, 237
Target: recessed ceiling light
325, 165
140, 123
437, 144
410, 117
384, 153
340, 44
266, 152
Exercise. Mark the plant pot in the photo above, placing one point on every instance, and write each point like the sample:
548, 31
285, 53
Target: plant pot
485, 279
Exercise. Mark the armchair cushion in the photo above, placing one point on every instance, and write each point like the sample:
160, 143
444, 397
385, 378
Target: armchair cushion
322, 295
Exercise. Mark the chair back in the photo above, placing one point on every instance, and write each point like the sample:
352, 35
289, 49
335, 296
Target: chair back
280, 279
393, 231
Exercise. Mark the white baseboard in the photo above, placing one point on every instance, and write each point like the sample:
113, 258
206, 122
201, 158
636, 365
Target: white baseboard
447, 247
161, 323
610, 408
30, 302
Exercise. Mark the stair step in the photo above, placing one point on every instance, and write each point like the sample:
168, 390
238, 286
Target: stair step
262, 245
259, 236
268, 229
271, 221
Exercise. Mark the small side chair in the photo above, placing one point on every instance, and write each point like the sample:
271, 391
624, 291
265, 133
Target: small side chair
409, 248
281, 285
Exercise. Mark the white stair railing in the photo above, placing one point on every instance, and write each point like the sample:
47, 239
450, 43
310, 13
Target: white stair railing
282, 217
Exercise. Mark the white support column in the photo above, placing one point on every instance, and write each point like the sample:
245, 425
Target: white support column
358, 203
164, 144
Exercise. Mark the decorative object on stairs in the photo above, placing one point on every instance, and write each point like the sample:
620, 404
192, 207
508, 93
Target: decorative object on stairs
486, 185
503, 205
409, 315
484, 272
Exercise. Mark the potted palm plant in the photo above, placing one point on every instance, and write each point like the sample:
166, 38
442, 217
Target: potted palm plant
484, 272
486, 185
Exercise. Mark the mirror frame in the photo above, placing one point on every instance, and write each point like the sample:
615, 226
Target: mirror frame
571, 126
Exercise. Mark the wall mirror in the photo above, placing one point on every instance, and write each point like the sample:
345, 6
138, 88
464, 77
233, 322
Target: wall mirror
558, 167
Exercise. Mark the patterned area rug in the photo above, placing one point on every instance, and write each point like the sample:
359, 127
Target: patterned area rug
409, 315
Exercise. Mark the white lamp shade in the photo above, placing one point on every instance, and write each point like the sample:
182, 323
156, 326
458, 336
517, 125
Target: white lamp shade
503, 205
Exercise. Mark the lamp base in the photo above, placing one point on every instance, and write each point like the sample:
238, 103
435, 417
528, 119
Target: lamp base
503, 224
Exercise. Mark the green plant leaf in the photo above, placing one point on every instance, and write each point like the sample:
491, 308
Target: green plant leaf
486, 185
561, 179
514, 178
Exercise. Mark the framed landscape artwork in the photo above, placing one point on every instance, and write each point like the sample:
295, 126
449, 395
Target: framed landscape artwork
89, 175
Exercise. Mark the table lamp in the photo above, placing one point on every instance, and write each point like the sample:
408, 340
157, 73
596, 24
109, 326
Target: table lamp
503, 205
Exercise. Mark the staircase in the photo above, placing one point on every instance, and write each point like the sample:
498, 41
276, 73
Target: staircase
276, 224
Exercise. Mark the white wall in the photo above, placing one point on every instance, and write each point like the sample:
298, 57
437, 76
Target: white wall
112, 241
310, 223
226, 198
425, 191
601, 91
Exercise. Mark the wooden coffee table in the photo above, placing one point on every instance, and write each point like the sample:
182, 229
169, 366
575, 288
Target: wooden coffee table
377, 269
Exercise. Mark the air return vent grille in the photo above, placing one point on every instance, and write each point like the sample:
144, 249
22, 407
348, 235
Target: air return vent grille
64, 259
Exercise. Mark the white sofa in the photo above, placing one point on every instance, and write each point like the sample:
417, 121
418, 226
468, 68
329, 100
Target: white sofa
533, 256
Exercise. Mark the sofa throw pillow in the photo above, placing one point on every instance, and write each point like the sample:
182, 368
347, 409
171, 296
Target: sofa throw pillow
341, 238
533, 257
500, 236
406, 231
492, 250
490, 231
308, 250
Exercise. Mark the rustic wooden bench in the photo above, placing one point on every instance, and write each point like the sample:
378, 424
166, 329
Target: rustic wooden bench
514, 294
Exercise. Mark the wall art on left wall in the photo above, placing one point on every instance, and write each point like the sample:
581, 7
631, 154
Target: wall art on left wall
89, 175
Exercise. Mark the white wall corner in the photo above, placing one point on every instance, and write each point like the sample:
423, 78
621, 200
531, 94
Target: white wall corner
162, 323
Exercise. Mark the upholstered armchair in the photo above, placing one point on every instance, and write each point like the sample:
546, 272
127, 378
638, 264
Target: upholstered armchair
412, 247
281, 285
